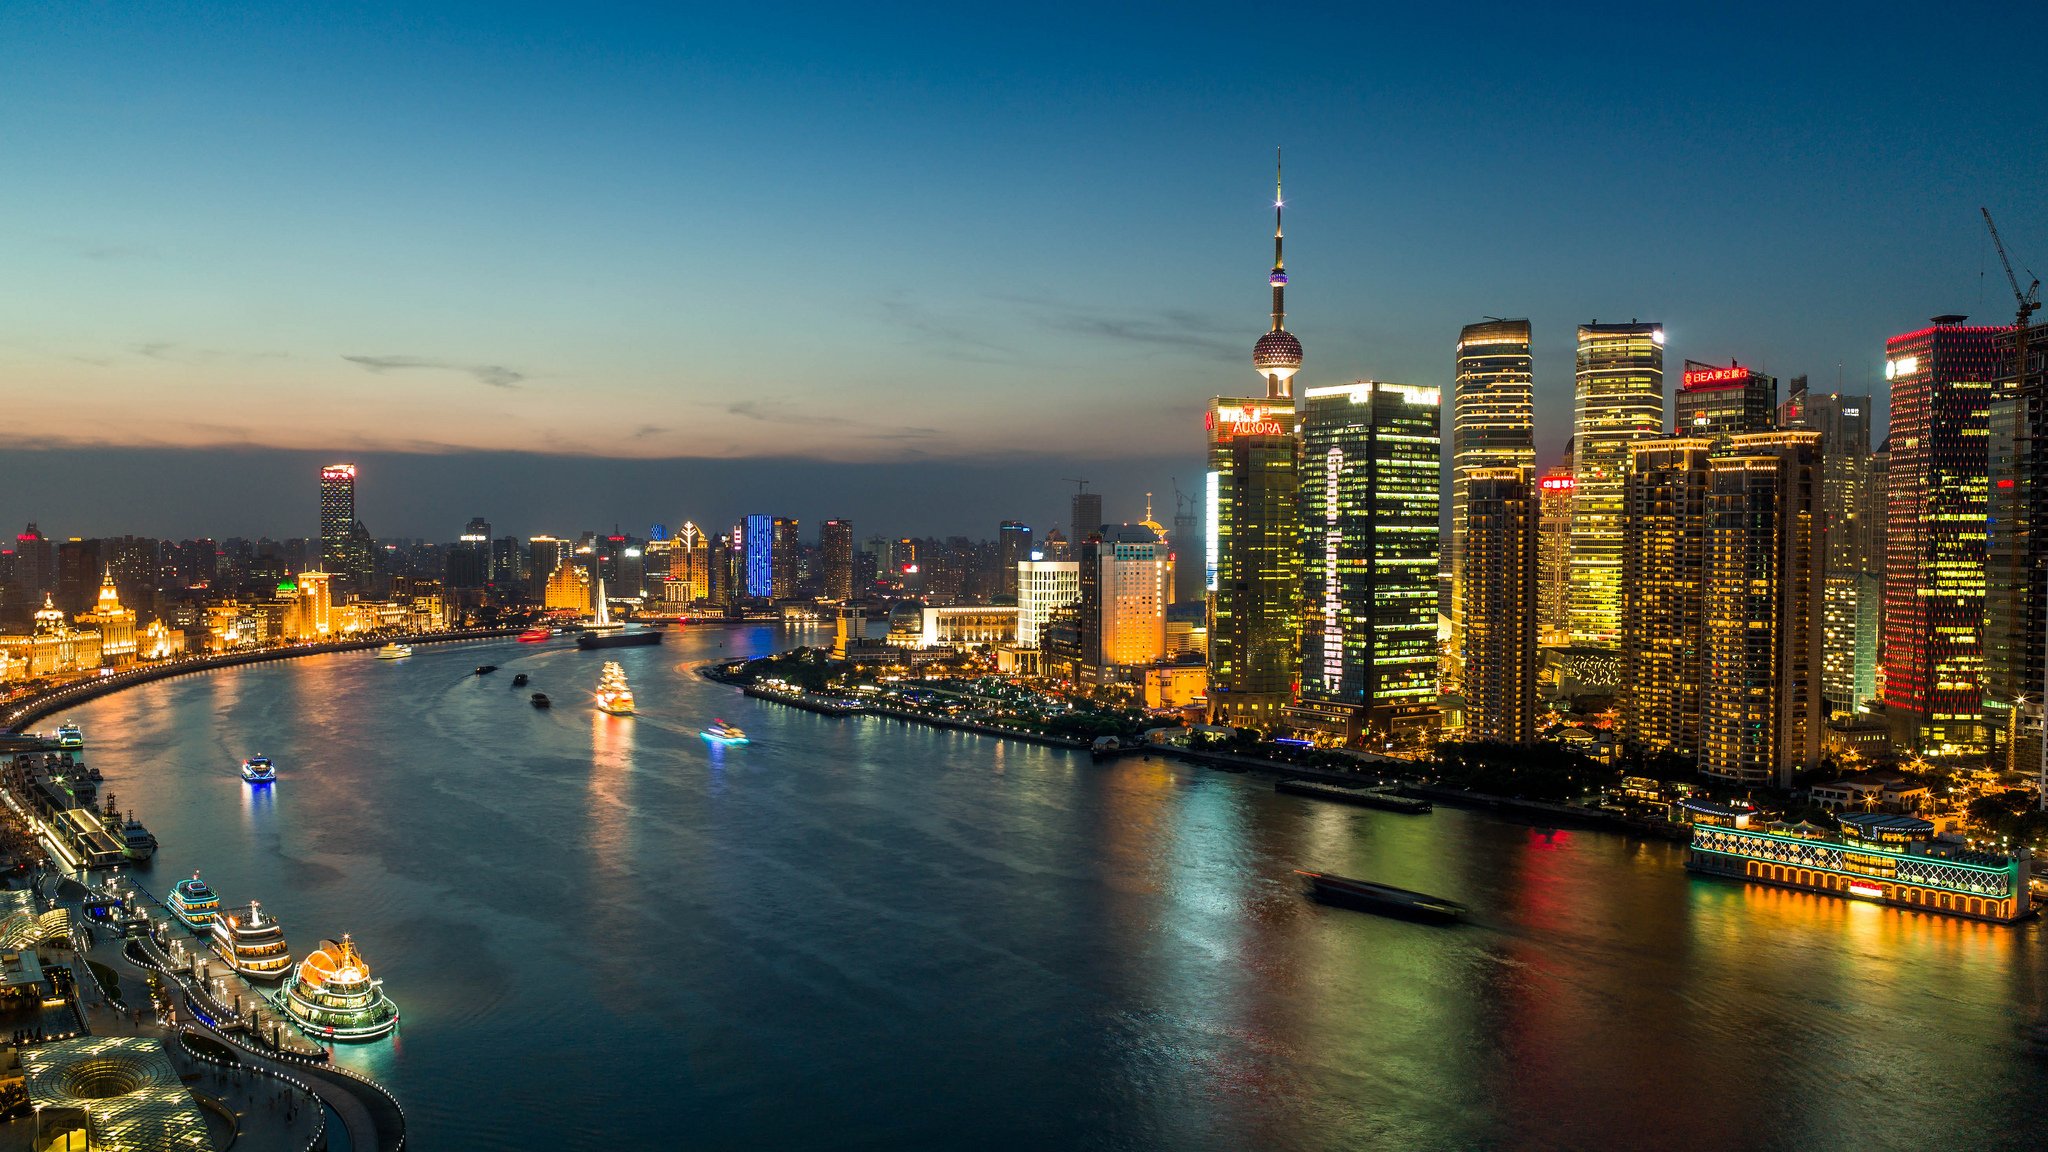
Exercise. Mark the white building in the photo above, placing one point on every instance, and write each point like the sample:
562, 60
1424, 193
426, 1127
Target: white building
1043, 587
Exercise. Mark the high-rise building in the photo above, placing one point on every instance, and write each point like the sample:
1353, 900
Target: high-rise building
570, 589
2016, 590
1371, 501
1761, 711
783, 554
1013, 546
1943, 380
689, 568
1849, 621
1252, 517
1554, 558
1123, 584
35, 563
1497, 620
1043, 588
835, 540
1086, 515
1620, 399
469, 562
337, 517
544, 554
1493, 422
756, 536
1716, 401
1663, 568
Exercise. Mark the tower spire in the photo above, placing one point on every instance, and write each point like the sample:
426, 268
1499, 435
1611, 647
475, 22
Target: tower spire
1277, 355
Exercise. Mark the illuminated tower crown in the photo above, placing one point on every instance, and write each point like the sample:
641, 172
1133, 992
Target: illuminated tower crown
1277, 355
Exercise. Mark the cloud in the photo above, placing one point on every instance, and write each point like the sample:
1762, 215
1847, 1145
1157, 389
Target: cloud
940, 336
778, 412
495, 375
1176, 329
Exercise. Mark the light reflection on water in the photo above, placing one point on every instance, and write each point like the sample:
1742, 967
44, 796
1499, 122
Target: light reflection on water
857, 933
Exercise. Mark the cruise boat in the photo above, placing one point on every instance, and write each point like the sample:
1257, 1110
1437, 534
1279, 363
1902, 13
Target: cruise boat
252, 944
722, 733
534, 635
194, 903
613, 695
259, 770
70, 736
332, 996
135, 839
393, 651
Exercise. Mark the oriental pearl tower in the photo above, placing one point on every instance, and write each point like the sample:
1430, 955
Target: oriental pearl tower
1277, 355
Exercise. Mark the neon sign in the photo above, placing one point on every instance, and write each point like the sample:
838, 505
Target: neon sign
1708, 377
1558, 483
1871, 890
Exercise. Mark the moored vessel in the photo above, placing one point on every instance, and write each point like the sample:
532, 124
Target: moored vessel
722, 733
70, 736
613, 696
135, 839
194, 904
252, 943
332, 995
394, 651
534, 635
1385, 899
539, 700
259, 770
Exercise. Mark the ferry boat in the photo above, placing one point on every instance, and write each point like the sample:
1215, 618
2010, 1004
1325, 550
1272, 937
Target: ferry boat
1385, 899
259, 770
393, 651
332, 996
613, 696
722, 733
486, 669
70, 736
519, 681
539, 700
251, 944
534, 635
194, 903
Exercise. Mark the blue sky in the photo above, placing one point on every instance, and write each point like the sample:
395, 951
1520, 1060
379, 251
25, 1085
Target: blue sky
897, 235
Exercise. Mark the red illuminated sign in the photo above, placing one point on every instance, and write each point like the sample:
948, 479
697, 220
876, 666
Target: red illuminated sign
1253, 428
1558, 483
1710, 377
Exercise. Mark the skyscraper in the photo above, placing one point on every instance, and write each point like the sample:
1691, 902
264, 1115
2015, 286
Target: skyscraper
1370, 505
1086, 515
2016, 593
1943, 378
756, 537
1714, 401
1498, 615
1122, 576
1013, 545
1620, 399
835, 540
1493, 421
1663, 573
1554, 557
1043, 588
1849, 620
1252, 518
1761, 712
337, 517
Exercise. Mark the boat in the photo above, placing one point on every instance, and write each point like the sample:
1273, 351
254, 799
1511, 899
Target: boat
613, 696
193, 903
604, 633
252, 944
534, 635
332, 995
722, 733
540, 700
393, 651
519, 681
259, 770
1385, 899
135, 839
70, 736
486, 669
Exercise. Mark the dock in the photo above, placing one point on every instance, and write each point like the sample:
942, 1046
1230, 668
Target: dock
1384, 798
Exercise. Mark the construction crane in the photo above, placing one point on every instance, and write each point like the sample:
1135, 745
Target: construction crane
1082, 485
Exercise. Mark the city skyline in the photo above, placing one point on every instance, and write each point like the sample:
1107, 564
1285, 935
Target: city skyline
238, 302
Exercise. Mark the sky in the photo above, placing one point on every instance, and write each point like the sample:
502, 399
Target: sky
654, 262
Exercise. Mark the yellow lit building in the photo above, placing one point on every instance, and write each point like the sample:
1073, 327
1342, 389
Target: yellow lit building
54, 647
1498, 583
1175, 685
316, 606
689, 573
1663, 570
115, 624
1620, 399
569, 589
1493, 421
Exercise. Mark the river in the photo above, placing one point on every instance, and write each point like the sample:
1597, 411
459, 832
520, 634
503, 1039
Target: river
856, 933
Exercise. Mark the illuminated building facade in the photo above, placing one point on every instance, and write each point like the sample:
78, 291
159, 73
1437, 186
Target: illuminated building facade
1620, 399
1043, 588
835, 541
1850, 611
1878, 857
1554, 557
115, 624
1714, 401
1124, 580
315, 605
544, 554
783, 556
568, 589
1498, 616
53, 647
689, 565
1761, 711
1370, 507
2016, 592
757, 537
1493, 422
1943, 378
1663, 568
341, 549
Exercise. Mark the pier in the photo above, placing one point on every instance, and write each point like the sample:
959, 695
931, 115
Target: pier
1385, 798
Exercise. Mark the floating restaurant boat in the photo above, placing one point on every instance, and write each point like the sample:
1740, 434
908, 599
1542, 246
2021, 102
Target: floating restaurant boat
613, 696
332, 996
251, 944
259, 770
194, 903
394, 651
539, 700
1384, 899
722, 733
70, 736
534, 635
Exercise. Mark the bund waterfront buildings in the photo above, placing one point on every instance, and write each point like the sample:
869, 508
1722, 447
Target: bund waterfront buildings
1620, 399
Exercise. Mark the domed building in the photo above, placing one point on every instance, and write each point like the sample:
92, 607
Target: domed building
333, 996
